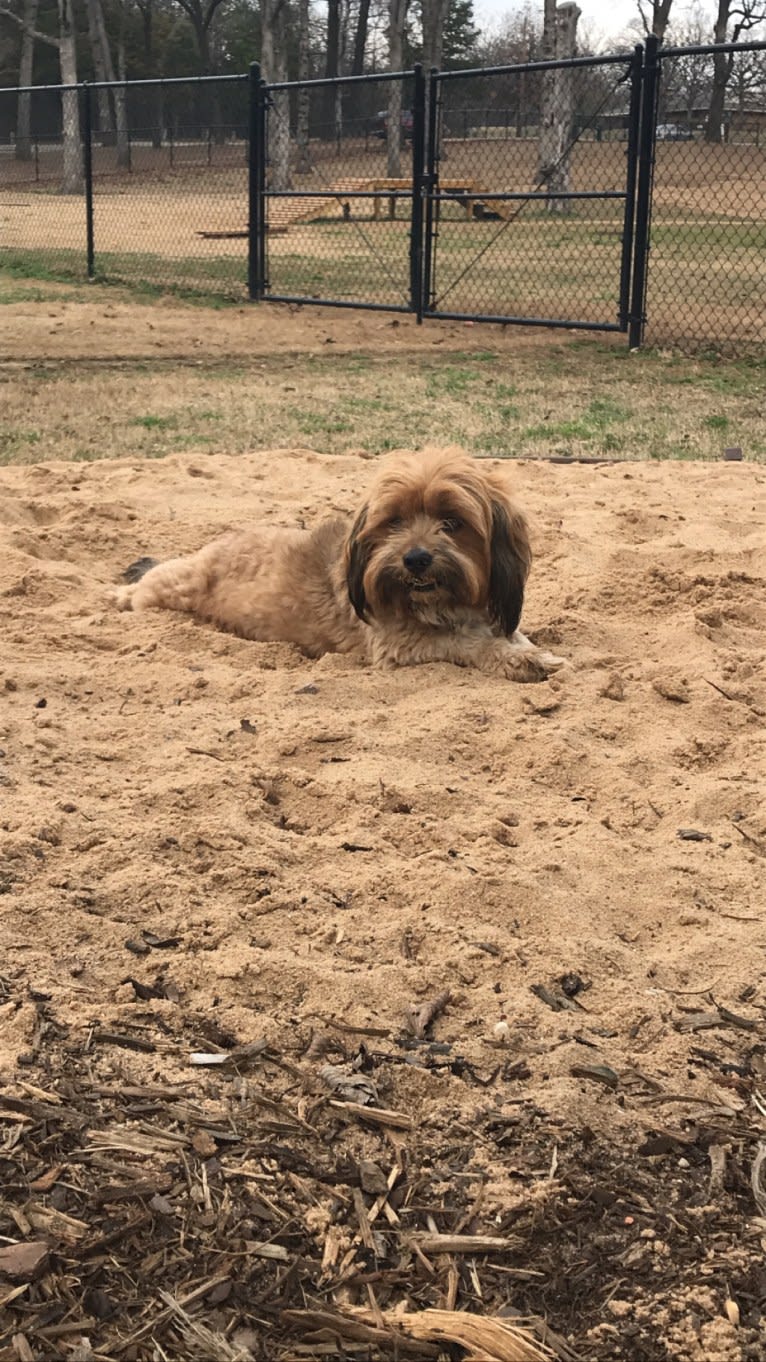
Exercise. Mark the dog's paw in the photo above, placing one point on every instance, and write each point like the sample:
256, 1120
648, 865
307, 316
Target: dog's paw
532, 664
552, 663
123, 597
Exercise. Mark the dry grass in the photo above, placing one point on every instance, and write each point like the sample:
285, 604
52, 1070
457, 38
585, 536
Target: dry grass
496, 392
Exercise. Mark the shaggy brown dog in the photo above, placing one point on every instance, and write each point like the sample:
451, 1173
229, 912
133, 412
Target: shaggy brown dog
431, 570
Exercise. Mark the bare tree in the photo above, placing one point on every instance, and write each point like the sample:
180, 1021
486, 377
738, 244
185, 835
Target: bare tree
304, 71
397, 17
201, 14
745, 16
360, 37
655, 16
434, 15
274, 68
104, 67
70, 104
26, 69
72, 180
559, 42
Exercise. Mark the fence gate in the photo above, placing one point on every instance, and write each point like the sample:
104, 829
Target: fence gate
333, 210
531, 177
513, 196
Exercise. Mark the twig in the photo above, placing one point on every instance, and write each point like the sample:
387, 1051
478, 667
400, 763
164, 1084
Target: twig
756, 1179
464, 1243
378, 1115
163, 1316
748, 836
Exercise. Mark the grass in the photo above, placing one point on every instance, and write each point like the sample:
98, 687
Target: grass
512, 395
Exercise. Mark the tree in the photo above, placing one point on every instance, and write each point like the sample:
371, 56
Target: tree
304, 98
274, 68
460, 36
72, 181
433, 17
26, 71
360, 37
397, 17
104, 67
655, 16
559, 42
747, 15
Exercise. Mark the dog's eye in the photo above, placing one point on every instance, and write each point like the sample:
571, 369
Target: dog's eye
452, 525
395, 523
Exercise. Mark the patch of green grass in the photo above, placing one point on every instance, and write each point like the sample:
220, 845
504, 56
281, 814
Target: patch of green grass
14, 443
155, 422
717, 422
590, 427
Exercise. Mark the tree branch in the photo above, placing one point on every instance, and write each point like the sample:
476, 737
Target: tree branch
33, 32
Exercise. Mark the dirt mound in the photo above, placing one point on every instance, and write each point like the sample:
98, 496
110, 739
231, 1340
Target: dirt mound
208, 843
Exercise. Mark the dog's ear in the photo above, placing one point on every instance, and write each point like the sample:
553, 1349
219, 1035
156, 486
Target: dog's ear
357, 556
511, 557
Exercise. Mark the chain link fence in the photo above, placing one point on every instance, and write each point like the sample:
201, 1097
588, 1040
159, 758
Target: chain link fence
533, 209
143, 183
707, 270
340, 190
468, 209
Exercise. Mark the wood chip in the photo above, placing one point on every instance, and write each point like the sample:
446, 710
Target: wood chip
597, 1073
418, 1019
23, 1262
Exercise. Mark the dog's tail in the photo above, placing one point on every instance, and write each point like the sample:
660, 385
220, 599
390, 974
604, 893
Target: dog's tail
139, 569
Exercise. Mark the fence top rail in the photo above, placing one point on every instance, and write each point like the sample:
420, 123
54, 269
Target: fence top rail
123, 84
711, 49
610, 59
375, 77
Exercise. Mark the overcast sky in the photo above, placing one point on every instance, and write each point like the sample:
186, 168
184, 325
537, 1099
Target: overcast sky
601, 19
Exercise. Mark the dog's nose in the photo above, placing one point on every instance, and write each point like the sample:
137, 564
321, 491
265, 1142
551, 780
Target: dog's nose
417, 560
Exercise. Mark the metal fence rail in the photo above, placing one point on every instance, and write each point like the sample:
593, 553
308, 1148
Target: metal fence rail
647, 216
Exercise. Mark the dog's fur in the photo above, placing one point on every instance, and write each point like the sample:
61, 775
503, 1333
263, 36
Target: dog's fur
346, 588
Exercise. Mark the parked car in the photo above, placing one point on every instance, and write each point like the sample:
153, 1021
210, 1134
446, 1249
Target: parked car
380, 125
674, 132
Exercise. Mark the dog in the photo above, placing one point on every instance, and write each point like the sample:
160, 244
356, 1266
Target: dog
431, 569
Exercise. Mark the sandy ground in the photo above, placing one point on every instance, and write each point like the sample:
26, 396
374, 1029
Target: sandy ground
543, 820
332, 845
314, 847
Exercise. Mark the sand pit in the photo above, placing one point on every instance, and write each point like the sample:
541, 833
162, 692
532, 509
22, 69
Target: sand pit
208, 843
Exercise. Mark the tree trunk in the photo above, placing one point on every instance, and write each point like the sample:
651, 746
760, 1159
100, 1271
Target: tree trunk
147, 24
722, 65
304, 71
660, 18
70, 106
332, 67
95, 9
120, 98
105, 125
26, 70
274, 68
434, 14
360, 38
558, 108
397, 14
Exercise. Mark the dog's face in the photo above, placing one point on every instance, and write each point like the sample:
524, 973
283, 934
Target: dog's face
438, 533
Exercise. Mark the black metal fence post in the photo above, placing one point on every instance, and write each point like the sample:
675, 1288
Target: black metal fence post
88, 172
416, 217
646, 149
629, 221
431, 185
256, 232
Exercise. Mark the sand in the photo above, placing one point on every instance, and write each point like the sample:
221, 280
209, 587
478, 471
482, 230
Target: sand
331, 844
